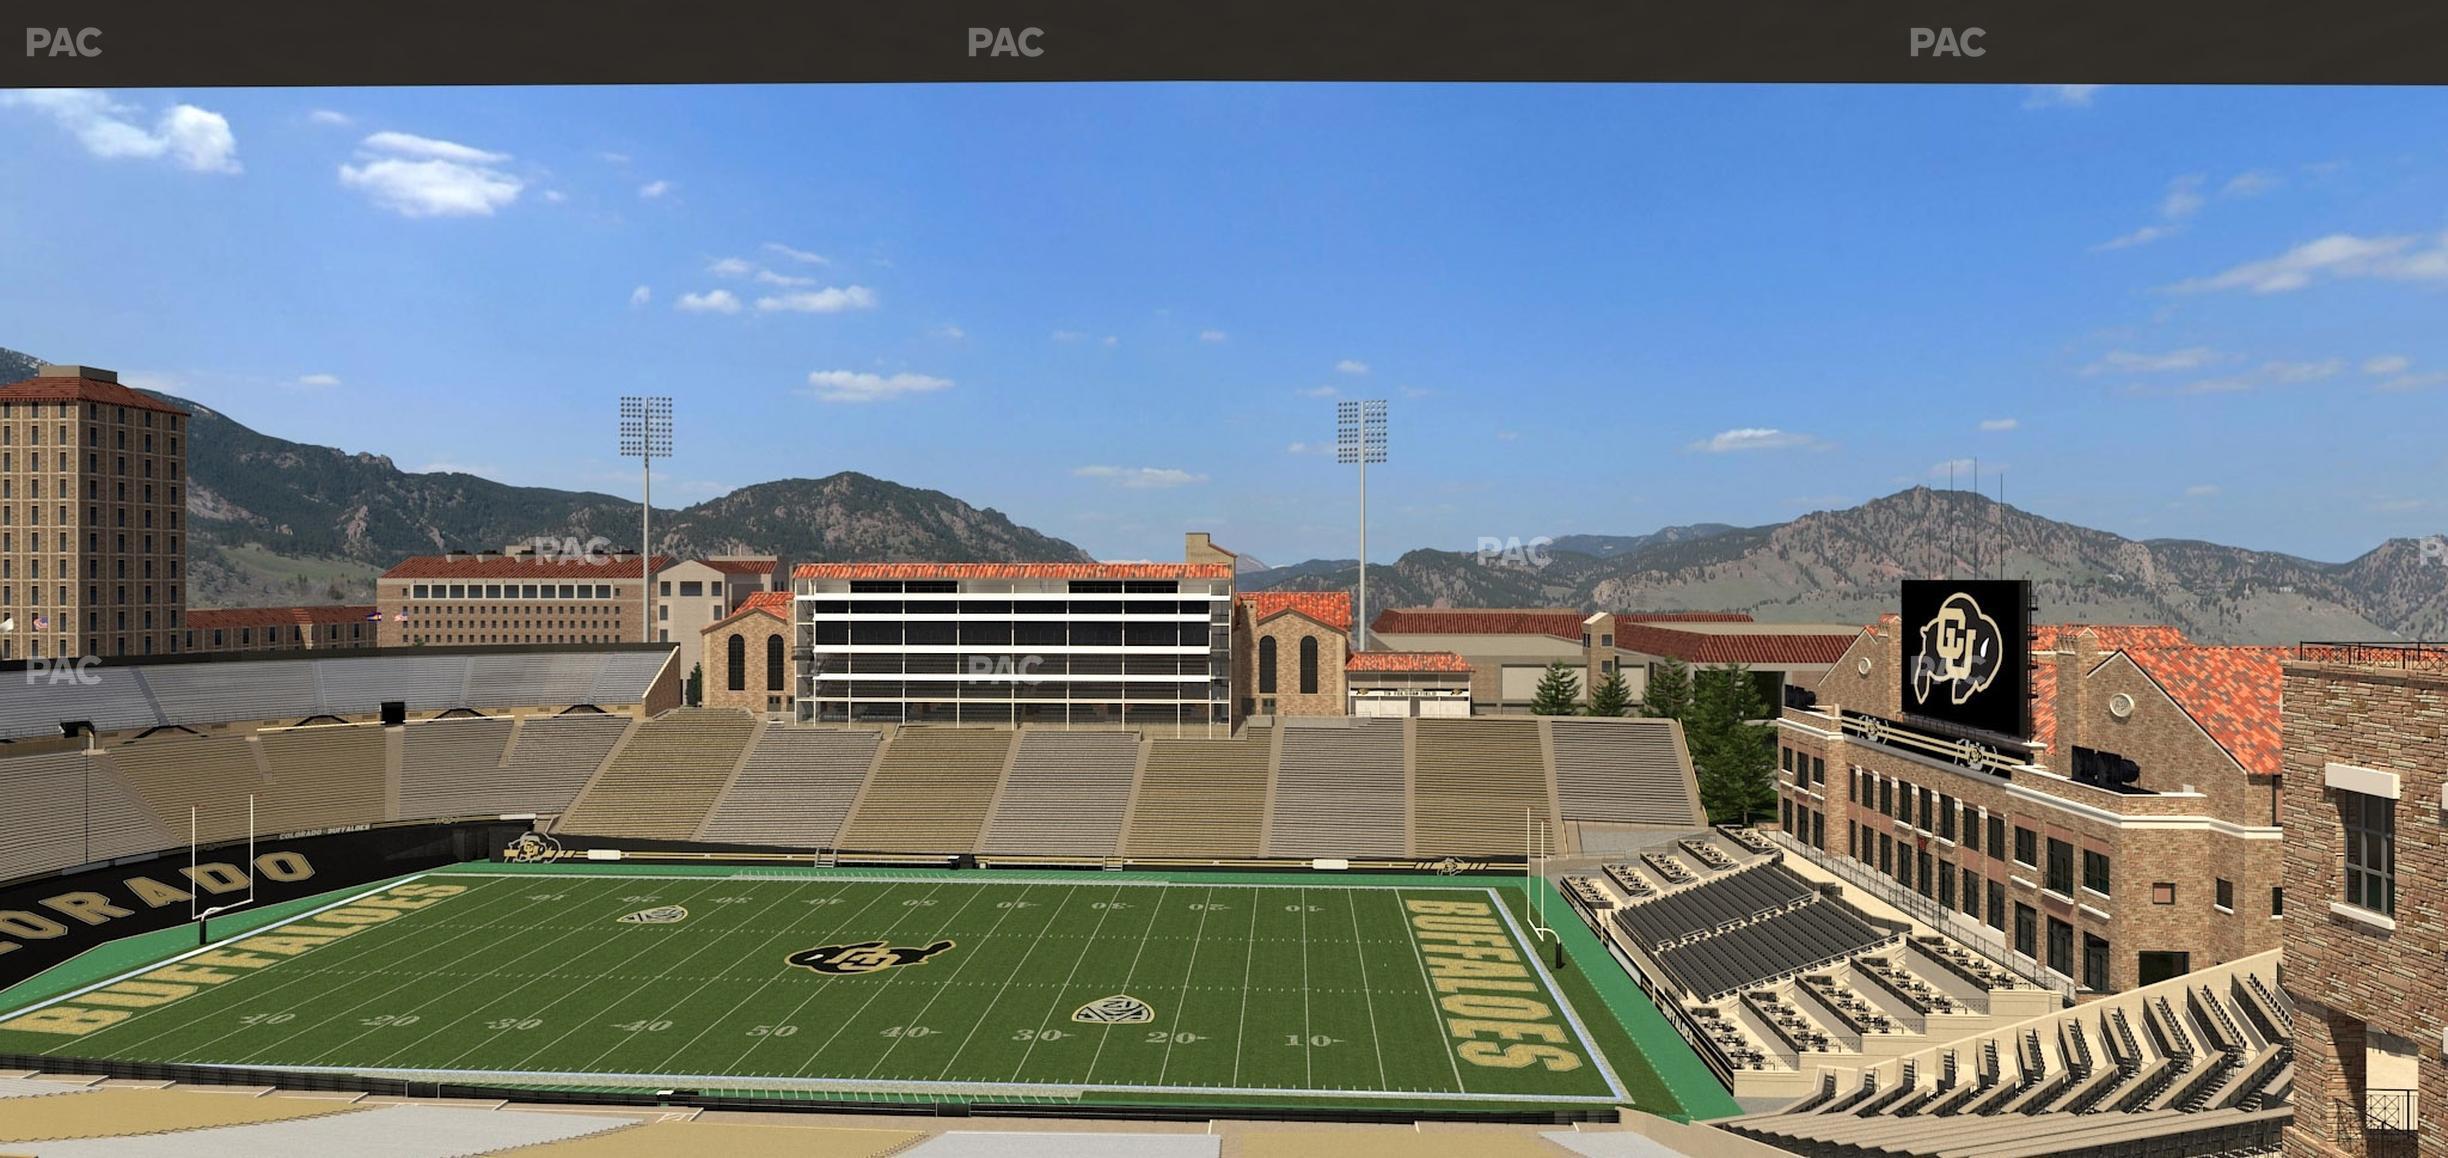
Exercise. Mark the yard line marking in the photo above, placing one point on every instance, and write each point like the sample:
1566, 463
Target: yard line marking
788, 892
918, 1018
1308, 1052
823, 984
292, 977
1428, 990
1196, 942
1107, 1033
1102, 915
1367, 992
844, 1025
753, 994
1019, 967
496, 969
1241, 1028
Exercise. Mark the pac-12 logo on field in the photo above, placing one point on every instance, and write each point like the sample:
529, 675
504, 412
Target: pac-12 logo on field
864, 957
659, 915
1119, 1009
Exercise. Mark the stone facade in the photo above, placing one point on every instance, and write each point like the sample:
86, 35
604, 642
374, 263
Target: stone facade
759, 679
2203, 819
1277, 642
2356, 974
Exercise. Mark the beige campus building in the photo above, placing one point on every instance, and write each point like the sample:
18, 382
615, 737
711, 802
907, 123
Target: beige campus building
488, 598
693, 594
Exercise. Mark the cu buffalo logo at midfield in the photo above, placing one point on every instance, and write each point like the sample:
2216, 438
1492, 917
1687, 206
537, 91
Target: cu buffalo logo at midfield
1119, 1009
864, 957
1962, 648
659, 915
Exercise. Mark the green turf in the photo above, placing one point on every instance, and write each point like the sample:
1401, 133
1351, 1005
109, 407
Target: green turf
1263, 991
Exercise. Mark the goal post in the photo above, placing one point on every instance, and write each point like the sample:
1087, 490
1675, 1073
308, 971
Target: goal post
199, 912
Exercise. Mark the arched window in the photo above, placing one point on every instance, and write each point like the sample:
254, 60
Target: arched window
773, 663
1308, 665
1266, 665
737, 653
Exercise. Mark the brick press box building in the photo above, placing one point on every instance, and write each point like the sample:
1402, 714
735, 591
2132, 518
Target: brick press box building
483, 598
311, 628
2102, 809
2366, 742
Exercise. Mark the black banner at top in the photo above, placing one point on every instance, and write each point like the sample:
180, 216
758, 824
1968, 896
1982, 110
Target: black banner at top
52, 43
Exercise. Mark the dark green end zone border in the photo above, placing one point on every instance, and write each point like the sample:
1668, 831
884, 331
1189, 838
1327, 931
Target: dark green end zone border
1653, 1063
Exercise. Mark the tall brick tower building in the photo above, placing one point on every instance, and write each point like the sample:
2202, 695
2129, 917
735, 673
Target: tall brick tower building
93, 482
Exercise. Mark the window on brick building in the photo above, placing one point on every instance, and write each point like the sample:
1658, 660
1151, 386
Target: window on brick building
2095, 871
2095, 964
2027, 847
2277, 902
2027, 930
2371, 851
2060, 876
1997, 837
1971, 829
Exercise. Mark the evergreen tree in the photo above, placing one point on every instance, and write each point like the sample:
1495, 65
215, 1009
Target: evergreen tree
1733, 754
1612, 697
1670, 690
1559, 692
696, 686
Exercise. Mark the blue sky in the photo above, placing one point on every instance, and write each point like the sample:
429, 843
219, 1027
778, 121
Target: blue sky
1118, 312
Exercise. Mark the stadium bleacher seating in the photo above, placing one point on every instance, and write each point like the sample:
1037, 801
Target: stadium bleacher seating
1778, 945
1339, 791
1624, 771
1474, 777
795, 789
931, 791
454, 767
328, 776
174, 772
1722, 903
1066, 795
551, 758
1202, 798
69, 809
663, 781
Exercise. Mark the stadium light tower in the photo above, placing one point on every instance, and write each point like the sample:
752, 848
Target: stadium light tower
1360, 439
646, 435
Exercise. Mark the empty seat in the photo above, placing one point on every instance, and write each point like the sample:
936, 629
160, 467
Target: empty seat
553, 757
796, 787
1065, 796
1202, 799
1340, 792
1476, 780
1624, 771
662, 784
453, 767
930, 792
322, 777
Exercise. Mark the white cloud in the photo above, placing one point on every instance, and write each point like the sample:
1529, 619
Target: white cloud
2200, 491
1211, 335
2142, 236
328, 117
2250, 184
1351, 366
1309, 448
2270, 374
1995, 425
719, 301
1507, 435
2407, 383
2387, 364
1954, 468
2060, 96
614, 158
1068, 335
1753, 438
1112, 341
769, 277
654, 189
318, 381
1320, 392
2129, 362
1141, 477
799, 255
2337, 257
640, 296
555, 197
861, 386
830, 300
417, 176
950, 333
193, 138
2184, 198
730, 267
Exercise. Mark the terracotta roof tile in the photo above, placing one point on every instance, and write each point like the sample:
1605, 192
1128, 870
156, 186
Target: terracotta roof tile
518, 567
1012, 571
1683, 617
1332, 608
773, 603
209, 618
1559, 623
83, 390
1406, 661
2109, 636
2232, 692
741, 566
1749, 649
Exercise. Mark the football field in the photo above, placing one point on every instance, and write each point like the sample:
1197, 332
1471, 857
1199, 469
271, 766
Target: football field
951, 986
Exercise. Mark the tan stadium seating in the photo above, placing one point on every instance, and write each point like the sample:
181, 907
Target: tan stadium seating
663, 782
552, 757
453, 767
1340, 792
931, 791
1202, 799
1476, 777
321, 777
1066, 796
1624, 771
70, 809
796, 788
213, 775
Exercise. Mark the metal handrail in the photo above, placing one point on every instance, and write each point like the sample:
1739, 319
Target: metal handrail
2388, 1111
1972, 934
2405, 654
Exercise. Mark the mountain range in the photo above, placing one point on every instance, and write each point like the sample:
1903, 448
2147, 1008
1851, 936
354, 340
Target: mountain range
276, 521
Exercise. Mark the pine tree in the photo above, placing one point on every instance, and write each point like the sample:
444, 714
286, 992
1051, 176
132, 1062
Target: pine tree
1733, 754
696, 686
1670, 690
1559, 692
1612, 697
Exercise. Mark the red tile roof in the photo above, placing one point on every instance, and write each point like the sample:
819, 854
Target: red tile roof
1478, 621
2109, 636
1683, 617
1748, 649
1012, 571
2232, 692
1332, 608
519, 567
1406, 661
209, 618
83, 390
741, 566
773, 603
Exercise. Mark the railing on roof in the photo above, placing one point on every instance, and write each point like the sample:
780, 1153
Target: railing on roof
1967, 754
2408, 655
